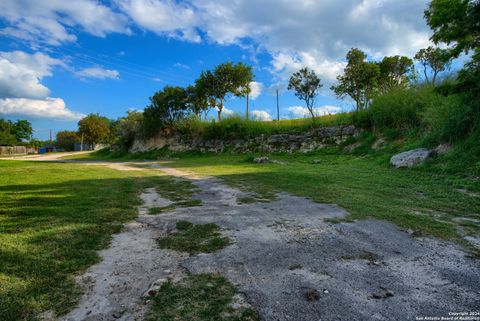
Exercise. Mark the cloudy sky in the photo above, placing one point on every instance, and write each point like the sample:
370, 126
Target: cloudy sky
60, 60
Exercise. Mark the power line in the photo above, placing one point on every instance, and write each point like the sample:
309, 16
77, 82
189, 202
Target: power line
138, 72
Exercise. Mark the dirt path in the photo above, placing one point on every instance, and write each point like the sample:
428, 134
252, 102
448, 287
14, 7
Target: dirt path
45, 157
290, 263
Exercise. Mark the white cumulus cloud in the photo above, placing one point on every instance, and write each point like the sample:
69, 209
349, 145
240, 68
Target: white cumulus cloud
51, 21
21, 90
98, 72
51, 108
167, 17
302, 112
256, 89
21, 74
260, 115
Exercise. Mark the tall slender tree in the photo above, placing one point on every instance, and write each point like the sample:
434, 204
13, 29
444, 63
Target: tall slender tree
306, 85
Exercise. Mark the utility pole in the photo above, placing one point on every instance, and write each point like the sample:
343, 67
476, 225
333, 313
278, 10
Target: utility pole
247, 106
278, 108
50, 136
81, 144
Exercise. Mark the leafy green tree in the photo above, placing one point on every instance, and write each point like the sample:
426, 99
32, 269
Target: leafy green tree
456, 23
22, 129
7, 138
66, 139
128, 127
359, 80
435, 59
94, 129
306, 85
197, 100
226, 79
166, 107
394, 72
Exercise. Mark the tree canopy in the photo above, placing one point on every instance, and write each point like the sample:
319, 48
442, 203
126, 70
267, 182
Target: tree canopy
94, 128
166, 107
359, 80
457, 23
394, 72
306, 85
12, 133
66, 139
226, 79
435, 59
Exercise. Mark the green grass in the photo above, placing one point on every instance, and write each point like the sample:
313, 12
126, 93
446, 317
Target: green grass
204, 297
53, 219
194, 238
367, 186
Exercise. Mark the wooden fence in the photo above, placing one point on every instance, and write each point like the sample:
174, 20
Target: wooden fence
16, 150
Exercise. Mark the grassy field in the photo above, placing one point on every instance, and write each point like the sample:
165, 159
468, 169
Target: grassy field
53, 220
54, 217
445, 206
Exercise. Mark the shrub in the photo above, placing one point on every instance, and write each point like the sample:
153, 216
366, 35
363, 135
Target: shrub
450, 119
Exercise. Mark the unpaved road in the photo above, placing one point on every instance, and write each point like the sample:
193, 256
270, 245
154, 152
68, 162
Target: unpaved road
284, 251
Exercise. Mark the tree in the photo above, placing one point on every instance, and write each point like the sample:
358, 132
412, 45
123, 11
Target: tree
197, 100
22, 129
128, 127
457, 23
166, 107
306, 85
394, 72
227, 78
436, 59
359, 80
94, 128
7, 138
66, 139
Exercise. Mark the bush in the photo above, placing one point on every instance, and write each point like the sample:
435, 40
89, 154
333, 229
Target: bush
450, 119
400, 108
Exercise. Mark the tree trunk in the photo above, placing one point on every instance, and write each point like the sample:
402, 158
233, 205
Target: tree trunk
435, 73
425, 73
247, 106
220, 108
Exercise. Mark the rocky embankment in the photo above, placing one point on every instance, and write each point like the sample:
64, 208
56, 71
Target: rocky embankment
305, 142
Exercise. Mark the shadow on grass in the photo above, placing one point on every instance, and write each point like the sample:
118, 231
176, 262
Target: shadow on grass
53, 220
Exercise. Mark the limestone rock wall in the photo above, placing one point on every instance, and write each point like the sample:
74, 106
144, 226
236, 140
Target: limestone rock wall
305, 142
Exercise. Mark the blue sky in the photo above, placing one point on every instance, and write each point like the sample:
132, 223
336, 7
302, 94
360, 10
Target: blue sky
60, 60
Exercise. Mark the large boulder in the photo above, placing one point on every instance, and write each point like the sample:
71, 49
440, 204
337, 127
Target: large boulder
410, 158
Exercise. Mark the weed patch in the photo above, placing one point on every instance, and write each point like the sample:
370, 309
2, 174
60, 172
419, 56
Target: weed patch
204, 297
195, 238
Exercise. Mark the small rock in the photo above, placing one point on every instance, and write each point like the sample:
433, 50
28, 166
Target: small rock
410, 231
325, 291
312, 295
389, 294
316, 161
260, 160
